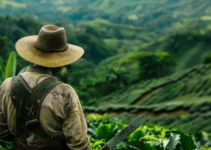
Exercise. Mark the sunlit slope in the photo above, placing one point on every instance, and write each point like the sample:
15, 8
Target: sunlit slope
178, 100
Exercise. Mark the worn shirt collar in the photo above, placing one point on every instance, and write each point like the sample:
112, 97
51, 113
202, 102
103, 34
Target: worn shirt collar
38, 69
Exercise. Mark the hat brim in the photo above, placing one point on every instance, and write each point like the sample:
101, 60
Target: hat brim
26, 49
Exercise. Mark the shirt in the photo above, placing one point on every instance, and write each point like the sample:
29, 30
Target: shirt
60, 114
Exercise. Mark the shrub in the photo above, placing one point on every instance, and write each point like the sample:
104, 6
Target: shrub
155, 65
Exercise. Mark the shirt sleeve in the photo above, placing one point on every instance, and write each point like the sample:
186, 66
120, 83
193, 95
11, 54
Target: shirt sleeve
3, 126
75, 127
4, 131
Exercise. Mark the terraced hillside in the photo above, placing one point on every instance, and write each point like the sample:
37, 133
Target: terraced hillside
180, 100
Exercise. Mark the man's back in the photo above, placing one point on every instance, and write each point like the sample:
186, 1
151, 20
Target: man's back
60, 114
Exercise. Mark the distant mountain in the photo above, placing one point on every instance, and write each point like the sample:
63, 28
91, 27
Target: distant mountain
159, 16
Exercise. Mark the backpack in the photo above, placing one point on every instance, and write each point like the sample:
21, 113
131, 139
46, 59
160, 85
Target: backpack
28, 102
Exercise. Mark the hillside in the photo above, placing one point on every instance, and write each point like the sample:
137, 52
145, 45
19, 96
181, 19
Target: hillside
113, 52
142, 57
181, 100
167, 15
188, 46
176, 52
122, 38
129, 57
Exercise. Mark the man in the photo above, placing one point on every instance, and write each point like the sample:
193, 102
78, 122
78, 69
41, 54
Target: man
38, 110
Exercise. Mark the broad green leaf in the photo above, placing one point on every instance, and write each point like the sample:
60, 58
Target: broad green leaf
93, 116
120, 125
165, 143
104, 131
137, 134
149, 138
163, 133
187, 141
10, 69
173, 142
97, 144
100, 142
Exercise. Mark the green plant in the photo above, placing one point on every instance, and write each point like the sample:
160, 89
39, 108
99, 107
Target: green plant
10, 68
146, 137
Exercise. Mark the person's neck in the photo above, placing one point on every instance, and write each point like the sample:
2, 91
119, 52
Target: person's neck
53, 70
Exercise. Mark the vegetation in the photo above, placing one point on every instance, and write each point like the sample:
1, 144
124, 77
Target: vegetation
179, 100
151, 58
146, 137
167, 15
119, 71
10, 69
187, 46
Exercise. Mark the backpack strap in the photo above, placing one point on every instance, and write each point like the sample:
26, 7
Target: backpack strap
38, 94
20, 93
28, 102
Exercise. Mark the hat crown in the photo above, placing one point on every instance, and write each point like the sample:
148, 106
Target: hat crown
51, 39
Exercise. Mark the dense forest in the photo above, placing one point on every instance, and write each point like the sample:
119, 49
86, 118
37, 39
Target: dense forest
141, 58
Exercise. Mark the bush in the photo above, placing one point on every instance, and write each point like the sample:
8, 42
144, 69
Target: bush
146, 137
156, 65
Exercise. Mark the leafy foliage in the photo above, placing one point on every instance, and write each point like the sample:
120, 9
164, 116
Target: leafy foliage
146, 137
155, 65
111, 73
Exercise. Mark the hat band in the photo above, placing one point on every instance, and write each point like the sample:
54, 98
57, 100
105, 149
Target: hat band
51, 50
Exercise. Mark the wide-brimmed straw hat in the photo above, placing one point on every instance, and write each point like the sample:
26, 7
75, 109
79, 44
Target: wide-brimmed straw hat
49, 48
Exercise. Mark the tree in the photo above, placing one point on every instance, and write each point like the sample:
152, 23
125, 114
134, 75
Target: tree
155, 65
